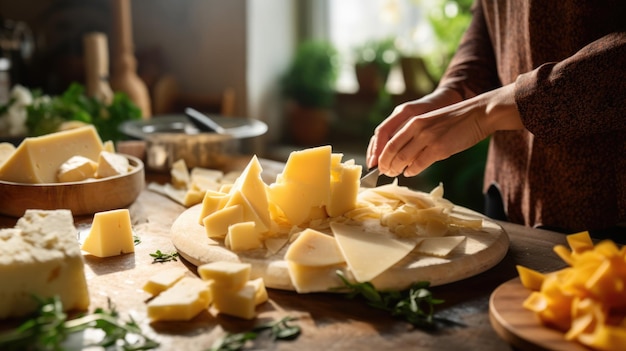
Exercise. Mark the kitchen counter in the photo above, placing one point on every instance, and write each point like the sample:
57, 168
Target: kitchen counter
328, 321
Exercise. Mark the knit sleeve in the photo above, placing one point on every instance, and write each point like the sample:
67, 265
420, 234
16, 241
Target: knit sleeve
472, 70
581, 95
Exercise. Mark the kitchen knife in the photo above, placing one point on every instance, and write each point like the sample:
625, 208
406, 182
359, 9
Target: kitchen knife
370, 179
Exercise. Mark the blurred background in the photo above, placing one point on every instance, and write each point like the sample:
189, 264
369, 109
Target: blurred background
315, 71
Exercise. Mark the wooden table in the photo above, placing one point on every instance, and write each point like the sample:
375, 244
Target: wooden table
328, 321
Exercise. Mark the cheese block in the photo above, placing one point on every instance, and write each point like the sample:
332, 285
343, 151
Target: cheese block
260, 293
110, 164
249, 188
306, 279
6, 150
77, 168
211, 202
240, 303
37, 159
111, 234
216, 224
344, 187
243, 236
226, 275
163, 280
182, 302
368, 250
314, 248
41, 257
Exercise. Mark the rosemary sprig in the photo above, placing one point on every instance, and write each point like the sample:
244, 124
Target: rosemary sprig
416, 305
278, 330
49, 327
161, 257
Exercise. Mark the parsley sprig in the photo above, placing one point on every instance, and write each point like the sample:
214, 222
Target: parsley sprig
278, 330
49, 328
416, 305
161, 257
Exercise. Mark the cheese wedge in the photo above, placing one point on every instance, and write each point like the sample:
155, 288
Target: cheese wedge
6, 150
314, 249
111, 234
77, 168
37, 159
41, 257
306, 279
110, 164
368, 250
182, 302
250, 186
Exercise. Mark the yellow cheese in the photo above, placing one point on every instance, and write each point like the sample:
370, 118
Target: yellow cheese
260, 293
368, 250
185, 300
110, 235
163, 280
180, 174
205, 178
314, 248
110, 164
249, 212
193, 197
6, 150
243, 236
439, 246
216, 224
251, 187
304, 183
37, 159
212, 201
108, 146
41, 257
240, 303
226, 275
77, 168
344, 188
307, 279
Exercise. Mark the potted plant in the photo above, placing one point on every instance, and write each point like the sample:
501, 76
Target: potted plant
374, 60
309, 87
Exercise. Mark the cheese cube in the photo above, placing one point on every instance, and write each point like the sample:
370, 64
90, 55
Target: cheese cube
111, 234
37, 159
77, 168
260, 294
185, 300
110, 164
212, 201
226, 275
244, 236
216, 224
240, 303
41, 257
314, 248
163, 280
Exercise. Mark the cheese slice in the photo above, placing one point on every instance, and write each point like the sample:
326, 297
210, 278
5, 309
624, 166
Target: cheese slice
439, 246
41, 257
313, 248
111, 234
182, 302
110, 164
368, 250
37, 159
163, 280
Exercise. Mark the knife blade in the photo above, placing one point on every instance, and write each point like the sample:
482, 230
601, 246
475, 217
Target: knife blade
370, 179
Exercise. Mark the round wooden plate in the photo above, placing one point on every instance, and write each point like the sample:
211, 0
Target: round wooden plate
482, 250
521, 327
82, 198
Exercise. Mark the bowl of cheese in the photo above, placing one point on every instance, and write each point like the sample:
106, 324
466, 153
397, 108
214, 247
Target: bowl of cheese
71, 170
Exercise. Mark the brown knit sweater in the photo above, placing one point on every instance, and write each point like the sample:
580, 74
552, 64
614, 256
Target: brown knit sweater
567, 58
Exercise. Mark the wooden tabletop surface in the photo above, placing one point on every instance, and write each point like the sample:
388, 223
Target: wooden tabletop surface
328, 321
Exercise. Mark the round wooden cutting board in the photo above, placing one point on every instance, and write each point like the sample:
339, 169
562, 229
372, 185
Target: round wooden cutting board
520, 326
481, 250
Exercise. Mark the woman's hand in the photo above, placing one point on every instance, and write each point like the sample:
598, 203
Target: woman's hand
419, 133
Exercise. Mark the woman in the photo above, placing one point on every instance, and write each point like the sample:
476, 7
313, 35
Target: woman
547, 81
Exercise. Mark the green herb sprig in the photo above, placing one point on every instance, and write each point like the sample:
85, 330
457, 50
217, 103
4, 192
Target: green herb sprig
278, 330
161, 257
49, 327
416, 305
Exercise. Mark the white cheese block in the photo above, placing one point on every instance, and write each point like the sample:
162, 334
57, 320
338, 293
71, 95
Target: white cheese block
111, 234
314, 248
110, 164
41, 257
185, 300
37, 159
368, 250
76, 169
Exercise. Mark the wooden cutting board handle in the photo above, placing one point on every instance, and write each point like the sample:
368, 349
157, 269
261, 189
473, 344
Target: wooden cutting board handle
125, 78
97, 67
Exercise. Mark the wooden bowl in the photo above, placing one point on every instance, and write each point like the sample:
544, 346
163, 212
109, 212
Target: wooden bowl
82, 198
